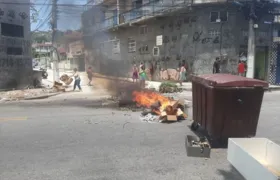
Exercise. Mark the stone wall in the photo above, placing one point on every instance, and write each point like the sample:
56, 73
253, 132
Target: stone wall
15, 49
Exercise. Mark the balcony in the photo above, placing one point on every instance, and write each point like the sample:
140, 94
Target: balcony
92, 3
153, 9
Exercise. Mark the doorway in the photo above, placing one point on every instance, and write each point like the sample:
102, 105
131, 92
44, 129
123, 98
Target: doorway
278, 65
261, 62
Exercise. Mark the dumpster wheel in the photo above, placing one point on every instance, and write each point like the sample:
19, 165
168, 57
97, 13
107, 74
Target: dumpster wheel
194, 126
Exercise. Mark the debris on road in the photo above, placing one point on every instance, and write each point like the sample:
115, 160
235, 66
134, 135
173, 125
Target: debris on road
197, 146
149, 118
159, 107
59, 87
24, 94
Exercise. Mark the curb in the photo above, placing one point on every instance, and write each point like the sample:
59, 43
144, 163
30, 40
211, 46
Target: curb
41, 97
187, 89
273, 89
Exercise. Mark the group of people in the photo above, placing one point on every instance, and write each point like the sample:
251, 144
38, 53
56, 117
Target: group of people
141, 73
241, 68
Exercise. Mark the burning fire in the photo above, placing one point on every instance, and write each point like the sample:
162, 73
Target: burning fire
149, 98
167, 109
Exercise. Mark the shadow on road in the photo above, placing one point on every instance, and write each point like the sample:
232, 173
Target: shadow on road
75, 102
232, 174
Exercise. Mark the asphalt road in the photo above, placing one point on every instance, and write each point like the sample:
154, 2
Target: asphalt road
76, 139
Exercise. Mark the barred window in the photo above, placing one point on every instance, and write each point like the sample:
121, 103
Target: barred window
131, 45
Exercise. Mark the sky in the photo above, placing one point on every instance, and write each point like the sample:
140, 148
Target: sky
69, 14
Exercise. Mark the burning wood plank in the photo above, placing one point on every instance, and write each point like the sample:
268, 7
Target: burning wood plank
171, 118
167, 109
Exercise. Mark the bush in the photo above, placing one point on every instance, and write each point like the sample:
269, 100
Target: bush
169, 87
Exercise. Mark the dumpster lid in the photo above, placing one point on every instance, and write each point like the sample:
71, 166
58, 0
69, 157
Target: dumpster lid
228, 80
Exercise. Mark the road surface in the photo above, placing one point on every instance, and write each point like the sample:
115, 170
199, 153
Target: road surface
76, 139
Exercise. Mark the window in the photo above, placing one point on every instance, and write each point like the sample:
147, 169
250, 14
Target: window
12, 30
214, 33
143, 30
131, 45
219, 16
223, 16
214, 16
144, 49
137, 4
277, 18
116, 47
156, 51
14, 51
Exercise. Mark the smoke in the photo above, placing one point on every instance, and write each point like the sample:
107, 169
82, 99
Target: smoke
104, 47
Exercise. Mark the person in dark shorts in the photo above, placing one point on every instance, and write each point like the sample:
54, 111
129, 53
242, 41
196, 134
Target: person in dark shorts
90, 75
216, 66
135, 73
77, 79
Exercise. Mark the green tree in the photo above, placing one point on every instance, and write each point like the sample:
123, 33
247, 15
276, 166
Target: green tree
33, 51
41, 39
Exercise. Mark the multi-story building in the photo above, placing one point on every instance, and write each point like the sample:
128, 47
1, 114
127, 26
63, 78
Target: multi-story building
15, 51
76, 55
163, 33
43, 49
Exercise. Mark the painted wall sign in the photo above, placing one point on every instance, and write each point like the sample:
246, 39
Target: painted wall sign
159, 40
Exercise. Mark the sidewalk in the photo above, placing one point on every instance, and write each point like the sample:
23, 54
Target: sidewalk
187, 86
49, 82
85, 88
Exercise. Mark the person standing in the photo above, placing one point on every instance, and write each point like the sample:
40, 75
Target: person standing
182, 75
77, 80
245, 68
135, 73
241, 68
216, 66
142, 74
90, 75
152, 71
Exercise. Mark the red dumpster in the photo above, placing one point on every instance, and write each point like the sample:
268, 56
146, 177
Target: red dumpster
226, 105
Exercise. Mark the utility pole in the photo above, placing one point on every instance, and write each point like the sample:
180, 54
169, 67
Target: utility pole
118, 12
55, 55
251, 43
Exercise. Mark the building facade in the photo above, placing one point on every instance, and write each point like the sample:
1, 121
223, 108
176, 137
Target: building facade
43, 49
15, 51
75, 55
164, 33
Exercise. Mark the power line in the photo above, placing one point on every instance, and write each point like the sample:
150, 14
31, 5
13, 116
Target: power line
43, 23
47, 18
43, 5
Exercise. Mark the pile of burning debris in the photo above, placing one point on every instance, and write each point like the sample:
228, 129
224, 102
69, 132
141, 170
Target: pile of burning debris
158, 107
155, 106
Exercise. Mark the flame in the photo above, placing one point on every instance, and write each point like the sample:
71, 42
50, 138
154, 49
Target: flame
148, 98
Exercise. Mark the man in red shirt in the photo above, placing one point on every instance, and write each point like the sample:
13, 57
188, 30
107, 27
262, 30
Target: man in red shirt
241, 68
